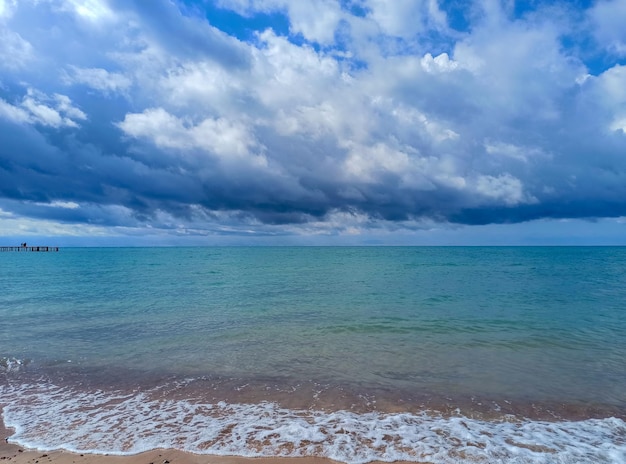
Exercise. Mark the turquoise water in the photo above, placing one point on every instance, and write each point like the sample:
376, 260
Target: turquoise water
528, 333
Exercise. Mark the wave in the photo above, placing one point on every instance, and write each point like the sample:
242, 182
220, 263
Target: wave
45, 416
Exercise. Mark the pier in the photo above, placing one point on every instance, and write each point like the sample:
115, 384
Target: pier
29, 248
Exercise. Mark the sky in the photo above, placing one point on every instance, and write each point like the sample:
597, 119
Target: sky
318, 122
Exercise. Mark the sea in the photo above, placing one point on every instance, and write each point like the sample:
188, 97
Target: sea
356, 354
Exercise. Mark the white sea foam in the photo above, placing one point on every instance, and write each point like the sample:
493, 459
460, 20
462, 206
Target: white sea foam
11, 364
49, 417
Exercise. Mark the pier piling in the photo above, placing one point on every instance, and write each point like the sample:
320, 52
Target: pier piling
28, 248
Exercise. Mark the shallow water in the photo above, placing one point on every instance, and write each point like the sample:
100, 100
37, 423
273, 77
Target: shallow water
399, 341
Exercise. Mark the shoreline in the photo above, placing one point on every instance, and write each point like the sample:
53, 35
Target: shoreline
16, 454
400, 438
183, 422
24, 378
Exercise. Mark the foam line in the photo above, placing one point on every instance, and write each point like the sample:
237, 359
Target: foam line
49, 417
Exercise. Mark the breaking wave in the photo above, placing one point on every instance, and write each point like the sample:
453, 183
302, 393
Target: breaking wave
47, 417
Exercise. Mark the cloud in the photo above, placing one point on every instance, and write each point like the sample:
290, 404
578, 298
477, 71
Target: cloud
90, 10
37, 108
13, 113
406, 18
6, 8
316, 20
181, 37
360, 116
607, 17
99, 79
611, 91
224, 139
15, 52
